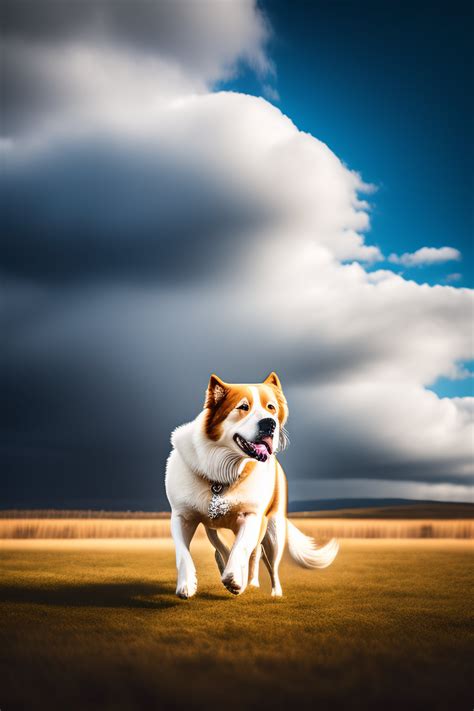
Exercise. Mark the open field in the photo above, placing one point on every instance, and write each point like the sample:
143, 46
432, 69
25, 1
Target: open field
94, 624
412, 509
320, 528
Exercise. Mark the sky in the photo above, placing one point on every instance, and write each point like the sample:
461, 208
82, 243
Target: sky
198, 187
384, 85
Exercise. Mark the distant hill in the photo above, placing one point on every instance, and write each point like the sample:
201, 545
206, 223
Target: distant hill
381, 508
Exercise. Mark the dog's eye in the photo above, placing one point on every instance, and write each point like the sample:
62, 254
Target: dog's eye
270, 406
243, 406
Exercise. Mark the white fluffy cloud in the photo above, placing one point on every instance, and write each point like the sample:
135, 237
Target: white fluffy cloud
453, 277
264, 271
426, 256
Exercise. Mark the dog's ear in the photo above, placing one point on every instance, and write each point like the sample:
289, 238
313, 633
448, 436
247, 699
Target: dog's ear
216, 390
273, 379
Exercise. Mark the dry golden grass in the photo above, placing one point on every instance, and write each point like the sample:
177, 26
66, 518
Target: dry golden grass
414, 510
94, 624
84, 528
381, 528
321, 529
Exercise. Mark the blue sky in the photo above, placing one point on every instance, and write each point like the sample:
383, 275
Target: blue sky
386, 86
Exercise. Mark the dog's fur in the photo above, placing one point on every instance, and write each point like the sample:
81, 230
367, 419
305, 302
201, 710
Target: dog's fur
225, 445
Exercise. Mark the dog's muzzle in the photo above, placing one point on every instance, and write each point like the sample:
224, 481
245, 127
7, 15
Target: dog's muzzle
262, 447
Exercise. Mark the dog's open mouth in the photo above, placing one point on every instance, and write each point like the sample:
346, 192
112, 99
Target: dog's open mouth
260, 450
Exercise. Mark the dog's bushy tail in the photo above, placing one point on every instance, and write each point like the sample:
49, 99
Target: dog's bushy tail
305, 552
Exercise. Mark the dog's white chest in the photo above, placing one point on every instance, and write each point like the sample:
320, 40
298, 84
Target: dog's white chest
188, 492
218, 505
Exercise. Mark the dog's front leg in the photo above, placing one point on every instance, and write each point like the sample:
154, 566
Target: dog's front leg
182, 531
236, 573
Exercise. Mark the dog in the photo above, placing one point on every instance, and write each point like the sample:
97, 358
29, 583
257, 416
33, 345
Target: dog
223, 472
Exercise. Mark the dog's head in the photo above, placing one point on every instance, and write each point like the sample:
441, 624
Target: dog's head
248, 419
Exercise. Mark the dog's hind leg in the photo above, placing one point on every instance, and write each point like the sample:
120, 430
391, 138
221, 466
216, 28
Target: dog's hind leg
266, 561
254, 564
273, 547
222, 552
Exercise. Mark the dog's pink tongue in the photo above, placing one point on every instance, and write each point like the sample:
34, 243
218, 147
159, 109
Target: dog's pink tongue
269, 442
260, 449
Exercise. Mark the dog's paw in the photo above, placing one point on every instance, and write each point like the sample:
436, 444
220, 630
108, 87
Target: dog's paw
232, 584
277, 591
186, 589
254, 583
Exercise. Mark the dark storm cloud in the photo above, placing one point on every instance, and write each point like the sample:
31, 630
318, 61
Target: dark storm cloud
95, 379
93, 382
95, 209
88, 408
351, 455
68, 440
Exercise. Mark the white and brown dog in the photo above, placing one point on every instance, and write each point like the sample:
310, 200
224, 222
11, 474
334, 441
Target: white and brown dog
223, 473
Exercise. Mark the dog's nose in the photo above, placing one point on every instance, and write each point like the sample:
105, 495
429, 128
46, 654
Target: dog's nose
267, 426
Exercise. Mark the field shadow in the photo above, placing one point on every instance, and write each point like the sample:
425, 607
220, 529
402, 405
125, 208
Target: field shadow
112, 594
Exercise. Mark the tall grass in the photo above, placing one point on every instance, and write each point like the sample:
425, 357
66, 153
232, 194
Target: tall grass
80, 513
380, 528
320, 529
84, 528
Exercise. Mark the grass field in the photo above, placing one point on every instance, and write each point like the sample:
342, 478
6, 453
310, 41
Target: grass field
91, 624
319, 528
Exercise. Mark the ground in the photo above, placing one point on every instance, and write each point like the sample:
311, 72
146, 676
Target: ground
96, 625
